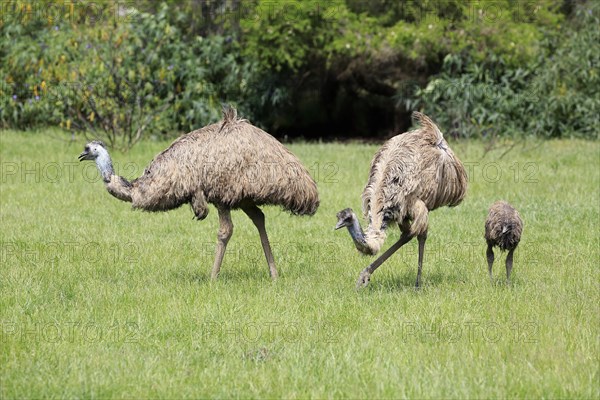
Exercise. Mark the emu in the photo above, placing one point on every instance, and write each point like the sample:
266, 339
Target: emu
503, 228
231, 164
411, 174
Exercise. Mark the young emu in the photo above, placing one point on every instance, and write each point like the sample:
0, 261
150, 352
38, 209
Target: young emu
503, 228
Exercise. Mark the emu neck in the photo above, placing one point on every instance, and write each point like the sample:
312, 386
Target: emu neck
104, 164
358, 236
117, 186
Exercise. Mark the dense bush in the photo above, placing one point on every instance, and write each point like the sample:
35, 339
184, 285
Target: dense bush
119, 81
354, 60
147, 78
310, 69
555, 95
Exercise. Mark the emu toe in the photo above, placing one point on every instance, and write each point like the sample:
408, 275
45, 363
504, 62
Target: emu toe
363, 279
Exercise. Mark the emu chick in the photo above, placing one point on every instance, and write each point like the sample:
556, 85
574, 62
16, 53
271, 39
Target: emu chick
503, 229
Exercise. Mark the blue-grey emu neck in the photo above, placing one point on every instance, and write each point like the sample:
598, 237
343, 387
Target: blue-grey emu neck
104, 164
347, 218
358, 236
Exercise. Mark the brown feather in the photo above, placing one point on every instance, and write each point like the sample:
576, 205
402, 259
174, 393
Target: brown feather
503, 226
228, 163
413, 173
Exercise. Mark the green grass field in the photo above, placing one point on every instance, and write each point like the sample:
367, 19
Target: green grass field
99, 301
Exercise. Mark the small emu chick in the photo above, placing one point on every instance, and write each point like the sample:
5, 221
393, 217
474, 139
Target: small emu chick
503, 228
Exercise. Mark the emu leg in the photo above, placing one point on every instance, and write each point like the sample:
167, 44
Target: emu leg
258, 218
421, 239
223, 236
490, 260
509, 264
365, 275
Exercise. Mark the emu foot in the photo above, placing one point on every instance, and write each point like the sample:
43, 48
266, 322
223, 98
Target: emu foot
363, 279
274, 274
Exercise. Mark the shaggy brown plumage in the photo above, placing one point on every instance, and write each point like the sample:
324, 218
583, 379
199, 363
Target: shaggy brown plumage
231, 164
412, 174
503, 228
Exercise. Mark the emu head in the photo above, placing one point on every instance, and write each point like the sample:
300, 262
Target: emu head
93, 150
96, 151
345, 217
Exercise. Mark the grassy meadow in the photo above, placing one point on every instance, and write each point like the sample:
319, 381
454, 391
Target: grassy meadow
99, 301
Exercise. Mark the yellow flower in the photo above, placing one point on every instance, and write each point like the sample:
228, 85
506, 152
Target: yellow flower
91, 117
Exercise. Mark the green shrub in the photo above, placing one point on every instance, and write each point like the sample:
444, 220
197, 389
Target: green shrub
119, 81
555, 95
151, 80
310, 68
356, 55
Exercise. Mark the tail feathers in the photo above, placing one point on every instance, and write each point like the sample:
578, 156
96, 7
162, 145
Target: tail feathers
229, 116
428, 124
229, 113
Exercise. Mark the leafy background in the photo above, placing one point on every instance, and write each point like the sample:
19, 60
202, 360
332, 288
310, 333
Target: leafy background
125, 71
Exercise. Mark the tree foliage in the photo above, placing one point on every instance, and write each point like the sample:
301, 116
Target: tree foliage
119, 81
311, 69
554, 95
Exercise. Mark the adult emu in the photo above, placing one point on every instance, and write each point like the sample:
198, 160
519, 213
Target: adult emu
412, 174
231, 164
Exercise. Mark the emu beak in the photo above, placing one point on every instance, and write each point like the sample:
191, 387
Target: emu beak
339, 225
83, 156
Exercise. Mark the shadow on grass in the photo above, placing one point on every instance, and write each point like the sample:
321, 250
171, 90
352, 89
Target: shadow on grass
190, 276
501, 282
408, 279
202, 276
